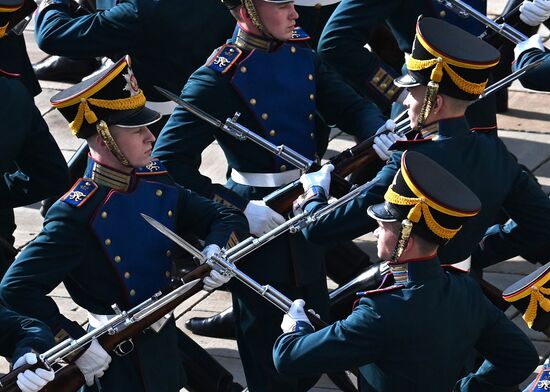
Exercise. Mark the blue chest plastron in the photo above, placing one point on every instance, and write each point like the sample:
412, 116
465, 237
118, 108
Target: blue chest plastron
279, 88
139, 254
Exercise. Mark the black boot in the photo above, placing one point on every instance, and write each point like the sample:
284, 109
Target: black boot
204, 373
221, 325
65, 69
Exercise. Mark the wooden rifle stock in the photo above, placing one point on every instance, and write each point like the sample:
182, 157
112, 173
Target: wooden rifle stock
344, 163
69, 378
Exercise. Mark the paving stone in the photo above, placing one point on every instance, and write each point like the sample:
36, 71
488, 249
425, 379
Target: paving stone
59, 128
216, 302
531, 149
42, 100
513, 266
532, 334
527, 111
501, 280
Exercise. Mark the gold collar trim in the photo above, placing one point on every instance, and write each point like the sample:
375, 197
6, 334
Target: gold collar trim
249, 42
111, 178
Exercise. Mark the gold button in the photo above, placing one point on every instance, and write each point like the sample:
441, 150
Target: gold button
127, 275
118, 259
310, 77
292, 49
265, 116
158, 192
383, 86
376, 79
283, 168
318, 6
167, 273
311, 97
104, 215
243, 69
442, 13
253, 101
108, 242
312, 135
310, 116
132, 293
170, 213
168, 253
272, 132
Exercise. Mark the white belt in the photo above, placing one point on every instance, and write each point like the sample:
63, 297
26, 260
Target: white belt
313, 3
164, 108
98, 320
265, 180
463, 265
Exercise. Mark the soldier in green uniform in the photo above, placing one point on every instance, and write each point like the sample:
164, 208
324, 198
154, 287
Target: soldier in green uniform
31, 164
443, 79
350, 27
95, 241
414, 332
278, 84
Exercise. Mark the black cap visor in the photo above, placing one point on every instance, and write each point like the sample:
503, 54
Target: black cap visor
133, 119
383, 212
406, 81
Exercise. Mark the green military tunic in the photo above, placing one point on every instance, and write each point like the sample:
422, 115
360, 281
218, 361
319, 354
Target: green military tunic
482, 162
415, 337
95, 242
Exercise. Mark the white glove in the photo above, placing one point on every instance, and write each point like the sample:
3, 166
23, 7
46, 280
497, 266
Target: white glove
210, 250
32, 380
295, 313
319, 178
214, 280
383, 143
93, 362
261, 218
534, 42
534, 12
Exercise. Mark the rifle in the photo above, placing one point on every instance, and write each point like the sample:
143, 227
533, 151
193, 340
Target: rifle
231, 126
225, 262
116, 335
499, 25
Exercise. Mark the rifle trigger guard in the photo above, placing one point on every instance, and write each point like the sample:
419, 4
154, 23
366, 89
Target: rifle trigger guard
124, 348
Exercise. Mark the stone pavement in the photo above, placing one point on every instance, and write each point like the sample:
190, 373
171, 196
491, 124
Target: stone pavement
524, 128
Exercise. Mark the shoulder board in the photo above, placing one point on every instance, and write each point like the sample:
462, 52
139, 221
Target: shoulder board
81, 192
224, 58
153, 168
542, 382
298, 34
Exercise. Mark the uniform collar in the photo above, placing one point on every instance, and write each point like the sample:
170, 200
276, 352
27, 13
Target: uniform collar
248, 42
111, 178
419, 270
453, 127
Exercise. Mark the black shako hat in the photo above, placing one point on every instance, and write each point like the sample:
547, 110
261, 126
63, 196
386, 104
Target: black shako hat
434, 200
453, 58
112, 96
12, 12
531, 295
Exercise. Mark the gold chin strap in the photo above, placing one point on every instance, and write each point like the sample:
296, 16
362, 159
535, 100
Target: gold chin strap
103, 131
254, 17
427, 105
403, 240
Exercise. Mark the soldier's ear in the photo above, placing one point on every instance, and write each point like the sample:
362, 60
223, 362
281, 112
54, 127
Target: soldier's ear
438, 104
